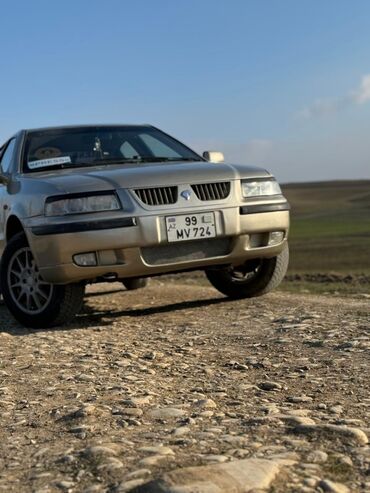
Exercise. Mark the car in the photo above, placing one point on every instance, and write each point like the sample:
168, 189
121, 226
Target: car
98, 203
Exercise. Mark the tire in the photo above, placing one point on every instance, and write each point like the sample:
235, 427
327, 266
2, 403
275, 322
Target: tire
135, 283
32, 301
255, 278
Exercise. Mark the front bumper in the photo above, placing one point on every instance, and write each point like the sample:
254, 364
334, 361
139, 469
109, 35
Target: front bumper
137, 246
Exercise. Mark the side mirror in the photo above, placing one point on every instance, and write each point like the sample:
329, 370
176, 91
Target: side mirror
214, 156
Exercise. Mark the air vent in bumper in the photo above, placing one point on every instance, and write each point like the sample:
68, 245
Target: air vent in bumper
212, 191
186, 252
157, 195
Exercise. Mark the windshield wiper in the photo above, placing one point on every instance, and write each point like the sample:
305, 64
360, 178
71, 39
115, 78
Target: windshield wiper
156, 159
144, 159
191, 159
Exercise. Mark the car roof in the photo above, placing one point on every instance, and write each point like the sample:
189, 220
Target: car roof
89, 125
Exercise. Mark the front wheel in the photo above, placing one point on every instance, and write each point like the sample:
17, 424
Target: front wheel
31, 300
254, 278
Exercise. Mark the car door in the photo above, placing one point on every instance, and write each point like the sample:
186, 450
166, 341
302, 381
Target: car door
6, 159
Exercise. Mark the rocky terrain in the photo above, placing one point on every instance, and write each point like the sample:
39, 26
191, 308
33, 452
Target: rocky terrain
176, 389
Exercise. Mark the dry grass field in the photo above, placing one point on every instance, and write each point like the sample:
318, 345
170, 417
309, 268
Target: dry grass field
330, 226
330, 234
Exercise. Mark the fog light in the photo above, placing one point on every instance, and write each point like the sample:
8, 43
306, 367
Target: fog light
85, 259
276, 237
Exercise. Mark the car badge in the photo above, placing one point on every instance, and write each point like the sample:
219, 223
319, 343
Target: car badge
186, 194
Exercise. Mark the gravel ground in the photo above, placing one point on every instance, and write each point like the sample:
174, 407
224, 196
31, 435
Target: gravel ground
145, 382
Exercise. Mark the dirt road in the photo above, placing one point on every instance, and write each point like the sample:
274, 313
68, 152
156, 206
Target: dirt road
174, 376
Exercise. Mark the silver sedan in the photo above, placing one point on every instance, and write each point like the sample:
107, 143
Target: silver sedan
104, 203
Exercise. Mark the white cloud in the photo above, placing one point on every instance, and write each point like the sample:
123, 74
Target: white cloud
322, 107
362, 95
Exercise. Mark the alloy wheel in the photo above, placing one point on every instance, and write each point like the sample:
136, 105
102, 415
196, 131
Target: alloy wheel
28, 290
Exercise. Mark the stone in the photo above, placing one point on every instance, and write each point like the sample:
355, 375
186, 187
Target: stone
299, 412
99, 450
82, 377
65, 485
152, 460
297, 420
181, 431
235, 365
343, 459
336, 409
137, 401
82, 412
67, 459
236, 441
331, 487
342, 432
151, 355
317, 457
138, 473
215, 458
206, 414
310, 482
238, 476
205, 404
299, 399
160, 450
167, 413
269, 386
128, 485
128, 411
94, 488
110, 464
80, 429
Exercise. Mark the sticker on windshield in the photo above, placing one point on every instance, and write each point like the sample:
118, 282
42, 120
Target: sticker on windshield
54, 161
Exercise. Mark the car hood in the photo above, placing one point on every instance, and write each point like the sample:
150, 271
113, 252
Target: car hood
110, 177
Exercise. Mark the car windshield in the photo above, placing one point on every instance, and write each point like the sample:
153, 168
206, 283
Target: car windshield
93, 146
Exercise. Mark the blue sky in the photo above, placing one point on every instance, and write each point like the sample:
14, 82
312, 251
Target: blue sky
277, 83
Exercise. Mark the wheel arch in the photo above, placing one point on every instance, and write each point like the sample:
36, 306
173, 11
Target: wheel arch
13, 227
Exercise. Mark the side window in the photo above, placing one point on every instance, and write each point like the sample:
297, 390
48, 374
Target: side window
6, 158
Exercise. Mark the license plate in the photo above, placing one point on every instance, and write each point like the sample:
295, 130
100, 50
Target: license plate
191, 227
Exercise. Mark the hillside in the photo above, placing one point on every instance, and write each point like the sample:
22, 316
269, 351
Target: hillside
330, 226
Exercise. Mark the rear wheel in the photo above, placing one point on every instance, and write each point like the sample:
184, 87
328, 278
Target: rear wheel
31, 300
135, 283
254, 278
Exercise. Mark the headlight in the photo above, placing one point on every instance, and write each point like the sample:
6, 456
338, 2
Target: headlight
81, 204
260, 188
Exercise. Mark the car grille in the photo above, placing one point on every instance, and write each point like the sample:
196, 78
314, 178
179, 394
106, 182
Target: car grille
186, 252
157, 195
212, 191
